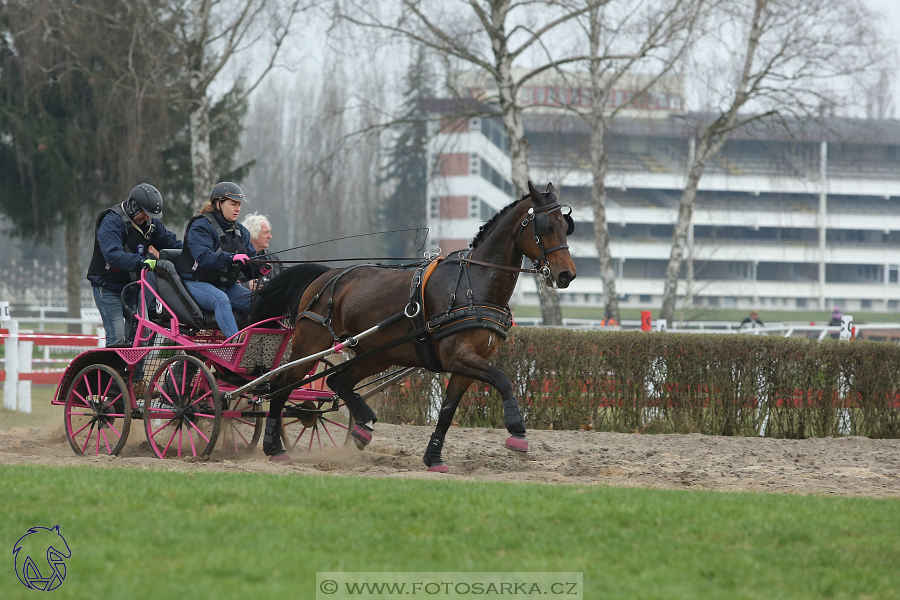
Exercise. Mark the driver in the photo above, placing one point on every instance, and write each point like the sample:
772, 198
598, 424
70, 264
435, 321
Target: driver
216, 251
122, 239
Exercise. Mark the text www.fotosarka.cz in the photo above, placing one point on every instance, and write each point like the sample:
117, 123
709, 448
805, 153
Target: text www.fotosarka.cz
372, 586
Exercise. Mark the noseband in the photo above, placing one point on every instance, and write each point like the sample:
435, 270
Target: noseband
539, 217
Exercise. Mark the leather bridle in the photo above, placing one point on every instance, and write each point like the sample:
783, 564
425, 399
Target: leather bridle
542, 263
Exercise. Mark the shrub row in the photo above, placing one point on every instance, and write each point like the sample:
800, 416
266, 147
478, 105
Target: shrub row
677, 383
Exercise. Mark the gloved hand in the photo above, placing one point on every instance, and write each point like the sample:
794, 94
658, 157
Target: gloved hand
265, 269
241, 258
150, 264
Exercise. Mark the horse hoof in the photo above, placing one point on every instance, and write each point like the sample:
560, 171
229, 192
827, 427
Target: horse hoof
441, 468
516, 443
280, 457
362, 435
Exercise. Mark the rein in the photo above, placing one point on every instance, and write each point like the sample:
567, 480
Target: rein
471, 261
325, 260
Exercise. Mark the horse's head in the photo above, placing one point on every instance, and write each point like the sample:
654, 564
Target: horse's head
542, 235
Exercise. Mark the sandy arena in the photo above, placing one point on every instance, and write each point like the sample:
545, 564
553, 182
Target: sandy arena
850, 466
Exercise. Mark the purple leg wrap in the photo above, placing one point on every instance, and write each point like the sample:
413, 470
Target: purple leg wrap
519, 444
362, 436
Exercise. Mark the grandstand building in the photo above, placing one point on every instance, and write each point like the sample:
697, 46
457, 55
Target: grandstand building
785, 219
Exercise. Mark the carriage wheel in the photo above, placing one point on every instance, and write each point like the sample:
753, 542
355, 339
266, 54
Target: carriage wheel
183, 409
305, 428
98, 411
240, 434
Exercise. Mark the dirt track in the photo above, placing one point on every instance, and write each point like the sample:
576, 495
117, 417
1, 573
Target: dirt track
840, 466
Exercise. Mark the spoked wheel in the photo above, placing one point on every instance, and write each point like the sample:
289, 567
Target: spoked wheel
317, 421
98, 412
240, 431
183, 409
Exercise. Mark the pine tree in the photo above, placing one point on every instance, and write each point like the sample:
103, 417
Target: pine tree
408, 167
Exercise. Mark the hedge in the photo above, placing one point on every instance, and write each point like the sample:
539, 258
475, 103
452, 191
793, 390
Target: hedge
677, 383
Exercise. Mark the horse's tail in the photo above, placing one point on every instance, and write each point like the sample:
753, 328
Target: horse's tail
281, 296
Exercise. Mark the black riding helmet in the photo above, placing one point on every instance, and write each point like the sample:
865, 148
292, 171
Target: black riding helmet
227, 191
148, 199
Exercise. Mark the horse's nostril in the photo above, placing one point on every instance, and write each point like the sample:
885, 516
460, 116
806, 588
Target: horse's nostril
564, 279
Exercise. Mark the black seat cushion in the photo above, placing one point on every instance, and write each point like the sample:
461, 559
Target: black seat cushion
170, 254
175, 294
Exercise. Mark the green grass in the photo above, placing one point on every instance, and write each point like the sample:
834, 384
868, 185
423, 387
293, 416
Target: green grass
157, 534
820, 317
43, 414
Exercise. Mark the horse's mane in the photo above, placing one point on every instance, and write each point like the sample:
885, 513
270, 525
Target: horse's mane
281, 296
490, 224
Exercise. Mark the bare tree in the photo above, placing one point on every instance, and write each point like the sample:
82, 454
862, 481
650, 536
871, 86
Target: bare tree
627, 38
316, 173
776, 58
214, 34
490, 35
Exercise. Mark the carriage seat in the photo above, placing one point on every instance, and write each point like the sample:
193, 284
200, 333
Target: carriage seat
175, 294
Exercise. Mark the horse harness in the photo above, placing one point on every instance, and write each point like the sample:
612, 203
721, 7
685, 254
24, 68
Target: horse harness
471, 315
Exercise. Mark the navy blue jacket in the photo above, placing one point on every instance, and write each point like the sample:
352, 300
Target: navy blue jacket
204, 247
111, 238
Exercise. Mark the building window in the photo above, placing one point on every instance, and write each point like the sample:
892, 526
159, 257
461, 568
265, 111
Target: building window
893, 304
801, 302
645, 299
435, 207
474, 208
865, 304
495, 132
493, 175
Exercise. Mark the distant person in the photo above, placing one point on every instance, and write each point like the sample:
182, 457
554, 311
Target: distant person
836, 317
608, 320
752, 320
260, 235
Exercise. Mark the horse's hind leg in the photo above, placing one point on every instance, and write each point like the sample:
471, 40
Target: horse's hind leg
272, 445
455, 390
342, 384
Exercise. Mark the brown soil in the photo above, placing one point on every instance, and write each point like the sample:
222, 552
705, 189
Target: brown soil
848, 466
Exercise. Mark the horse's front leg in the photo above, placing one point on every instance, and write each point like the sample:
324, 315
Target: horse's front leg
455, 390
471, 364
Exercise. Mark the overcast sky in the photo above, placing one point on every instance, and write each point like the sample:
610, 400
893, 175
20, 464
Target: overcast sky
891, 9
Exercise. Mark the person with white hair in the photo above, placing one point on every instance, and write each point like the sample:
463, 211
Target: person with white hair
260, 231
260, 235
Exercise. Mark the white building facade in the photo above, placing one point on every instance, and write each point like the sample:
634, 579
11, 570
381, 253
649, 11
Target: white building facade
784, 219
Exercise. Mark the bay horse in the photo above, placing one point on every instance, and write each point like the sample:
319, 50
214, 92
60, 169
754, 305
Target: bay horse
467, 295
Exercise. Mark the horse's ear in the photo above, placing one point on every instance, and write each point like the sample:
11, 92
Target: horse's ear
550, 189
536, 196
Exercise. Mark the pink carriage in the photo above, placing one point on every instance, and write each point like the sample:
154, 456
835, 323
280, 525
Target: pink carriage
204, 393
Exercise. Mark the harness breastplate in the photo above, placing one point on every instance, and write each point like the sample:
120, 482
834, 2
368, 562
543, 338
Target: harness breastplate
133, 241
230, 241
